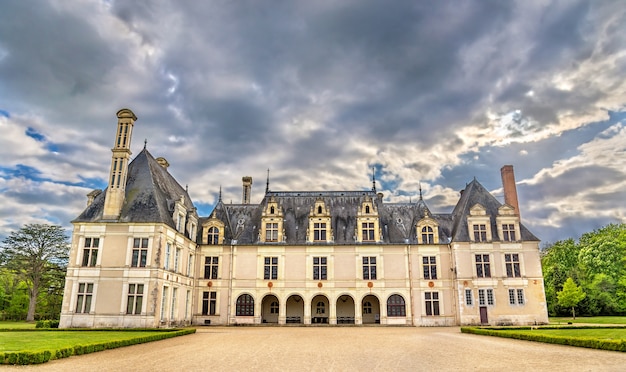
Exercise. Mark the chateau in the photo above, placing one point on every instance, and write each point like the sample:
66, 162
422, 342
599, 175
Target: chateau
142, 257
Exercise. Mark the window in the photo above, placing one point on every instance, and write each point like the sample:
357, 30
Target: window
211, 265
245, 305
508, 232
135, 299
367, 209
395, 306
83, 301
163, 303
480, 233
519, 298
319, 231
187, 303
512, 265
209, 302
270, 269
319, 268
168, 256
179, 223
271, 232
368, 231
320, 308
489, 297
468, 297
428, 235
214, 236
367, 307
369, 268
274, 307
190, 265
177, 259
319, 209
173, 307
90, 252
483, 268
429, 264
140, 252
432, 303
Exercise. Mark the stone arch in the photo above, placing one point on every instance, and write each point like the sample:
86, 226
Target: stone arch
320, 309
294, 309
270, 308
345, 309
370, 308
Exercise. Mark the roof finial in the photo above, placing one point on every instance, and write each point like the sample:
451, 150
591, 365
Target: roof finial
220, 197
374, 179
267, 184
145, 143
187, 188
421, 191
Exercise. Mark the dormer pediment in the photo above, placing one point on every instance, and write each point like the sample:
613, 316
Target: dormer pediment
506, 210
478, 210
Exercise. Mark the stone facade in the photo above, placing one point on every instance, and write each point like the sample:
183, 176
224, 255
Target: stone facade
309, 257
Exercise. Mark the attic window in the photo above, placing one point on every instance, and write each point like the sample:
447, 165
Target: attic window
319, 209
272, 210
367, 209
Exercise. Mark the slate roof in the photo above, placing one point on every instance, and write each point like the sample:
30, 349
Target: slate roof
151, 192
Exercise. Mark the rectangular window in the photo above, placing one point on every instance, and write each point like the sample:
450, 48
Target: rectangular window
512, 265
432, 303
190, 265
319, 232
177, 259
511, 296
164, 303
468, 297
173, 307
481, 297
368, 231
179, 223
483, 268
520, 297
210, 267
319, 268
168, 256
270, 269
187, 302
135, 299
140, 252
271, 232
490, 297
83, 300
429, 264
209, 302
90, 251
480, 233
508, 232
369, 268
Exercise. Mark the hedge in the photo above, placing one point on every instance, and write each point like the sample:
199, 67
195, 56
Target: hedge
29, 357
588, 342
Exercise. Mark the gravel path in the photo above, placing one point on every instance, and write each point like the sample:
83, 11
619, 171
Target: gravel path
338, 349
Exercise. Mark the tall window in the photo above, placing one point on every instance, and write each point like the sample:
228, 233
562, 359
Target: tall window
211, 265
190, 265
214, 236
468, 297
511, 261
274, 307
395, 306
483, 267
209, 302
480, 233
485, 297
432, 303
369, 268
428, 235
519, 299
271, 232
135, 299
83, 301
508, 232
164, 303
319, 231
140, 252
177, 260
90, 252
319, 268
168, 256
245, 305
367, 307
173, 307
179, 223
270, 268
429, 264
368, 231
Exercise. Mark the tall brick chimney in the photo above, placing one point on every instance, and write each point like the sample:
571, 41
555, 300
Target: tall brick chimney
510, 190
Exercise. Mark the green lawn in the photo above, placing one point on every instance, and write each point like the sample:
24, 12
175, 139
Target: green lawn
54, 340
16, 325
590, 320
601, 333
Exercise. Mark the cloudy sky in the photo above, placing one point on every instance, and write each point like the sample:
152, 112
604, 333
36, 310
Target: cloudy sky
320, 92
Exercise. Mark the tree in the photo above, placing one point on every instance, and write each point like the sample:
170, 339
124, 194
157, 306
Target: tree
31, 252
571, 295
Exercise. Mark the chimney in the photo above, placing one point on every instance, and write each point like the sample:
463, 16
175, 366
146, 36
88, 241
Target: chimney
247, 189
510, 190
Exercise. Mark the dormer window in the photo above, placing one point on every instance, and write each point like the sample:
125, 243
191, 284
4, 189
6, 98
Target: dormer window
508, 232
180, 211
319, 209
368, 225
213, 236
319, 230
272, 210
367, 209
427, 231
428, 237
480, 232
213, 231
508, 224
271, 223
479, 224
271, 232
